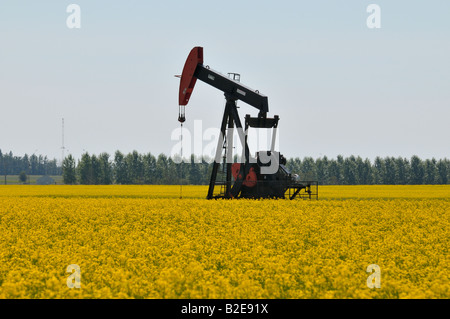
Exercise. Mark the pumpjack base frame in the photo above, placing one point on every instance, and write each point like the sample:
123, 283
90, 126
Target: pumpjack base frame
301, 190
304, 190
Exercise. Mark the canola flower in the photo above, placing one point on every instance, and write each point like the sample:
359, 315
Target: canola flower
145, 242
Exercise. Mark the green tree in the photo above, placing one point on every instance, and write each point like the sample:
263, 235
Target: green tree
34, 163
149, 166
390, 171
340, 164
161, 169
417, 171
120, 169
106, 171
26, 164
350, 171
206, 169
379, 171
195, 177
308, 169
135, 168
402, 170
334, 173
443, 172
95, 170
365, 172
23, 177
322, 170
172, 176
431, 172
69, 170
85, 169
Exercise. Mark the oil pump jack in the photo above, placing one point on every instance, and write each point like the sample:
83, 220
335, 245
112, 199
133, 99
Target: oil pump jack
262, 176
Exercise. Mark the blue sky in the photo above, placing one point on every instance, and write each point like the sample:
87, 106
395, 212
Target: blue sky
338, 86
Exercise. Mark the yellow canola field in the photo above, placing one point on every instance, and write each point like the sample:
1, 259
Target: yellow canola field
145, 242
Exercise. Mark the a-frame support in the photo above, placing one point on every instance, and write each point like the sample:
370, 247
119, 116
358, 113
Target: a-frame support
231, 121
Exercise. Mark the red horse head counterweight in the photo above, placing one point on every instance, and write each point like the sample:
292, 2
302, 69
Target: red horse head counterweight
188, 80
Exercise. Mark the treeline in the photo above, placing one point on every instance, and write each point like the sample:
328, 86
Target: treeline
383, 171
135, 168
30, 165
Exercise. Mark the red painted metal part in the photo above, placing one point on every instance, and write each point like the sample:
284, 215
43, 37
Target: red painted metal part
188, 79
250, 179
235, 168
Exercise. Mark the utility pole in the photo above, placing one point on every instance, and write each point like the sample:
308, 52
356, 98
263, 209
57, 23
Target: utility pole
62, 148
